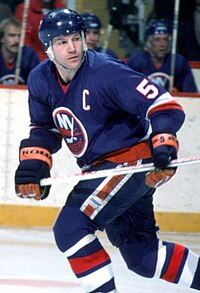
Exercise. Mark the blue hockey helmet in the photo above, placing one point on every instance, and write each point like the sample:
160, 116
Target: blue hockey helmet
91, 21
57, 22
157, 27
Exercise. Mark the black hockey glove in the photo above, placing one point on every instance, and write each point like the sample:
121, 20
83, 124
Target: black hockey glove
164, 148
35, 164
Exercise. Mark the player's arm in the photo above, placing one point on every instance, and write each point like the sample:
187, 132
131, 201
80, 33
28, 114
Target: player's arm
166, 119
35, 162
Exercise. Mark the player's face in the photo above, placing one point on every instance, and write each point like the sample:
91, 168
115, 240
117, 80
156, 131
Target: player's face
160, 45
68, 50
11, 39
92, 38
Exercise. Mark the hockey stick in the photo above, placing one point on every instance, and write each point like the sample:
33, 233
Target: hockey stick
174, 43
21, 44
107, 38
116, 171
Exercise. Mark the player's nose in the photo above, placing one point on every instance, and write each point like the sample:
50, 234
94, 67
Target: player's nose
71, 46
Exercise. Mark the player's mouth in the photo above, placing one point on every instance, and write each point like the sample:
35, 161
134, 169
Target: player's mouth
73, 57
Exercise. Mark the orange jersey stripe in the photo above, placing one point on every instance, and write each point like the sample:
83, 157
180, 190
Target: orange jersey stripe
166, 106
108, 188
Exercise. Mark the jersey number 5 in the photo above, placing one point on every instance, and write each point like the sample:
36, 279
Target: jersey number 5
150, 91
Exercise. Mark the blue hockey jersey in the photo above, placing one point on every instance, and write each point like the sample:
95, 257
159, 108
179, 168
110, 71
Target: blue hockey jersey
29, 60
183, 77
106, 107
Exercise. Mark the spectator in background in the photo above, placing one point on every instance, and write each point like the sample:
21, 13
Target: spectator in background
93, 31
37, 9
10, 31
186, 40
155, 60
11, 4
5, 11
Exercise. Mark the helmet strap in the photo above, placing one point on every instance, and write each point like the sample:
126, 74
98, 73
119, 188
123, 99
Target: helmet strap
84, 41
50, 53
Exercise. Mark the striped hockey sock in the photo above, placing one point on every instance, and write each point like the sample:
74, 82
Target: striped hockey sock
92, 265
177, 264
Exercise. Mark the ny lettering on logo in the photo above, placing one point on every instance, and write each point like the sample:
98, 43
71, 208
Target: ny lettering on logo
67, 126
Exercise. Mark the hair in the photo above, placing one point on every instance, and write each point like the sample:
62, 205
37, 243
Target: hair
8, 21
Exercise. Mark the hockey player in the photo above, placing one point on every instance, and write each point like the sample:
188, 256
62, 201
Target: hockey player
155, 60
93, 32
108, 115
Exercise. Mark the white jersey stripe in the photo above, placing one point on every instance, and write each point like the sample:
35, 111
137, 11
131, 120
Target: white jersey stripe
98, 203
164, 98
111, 194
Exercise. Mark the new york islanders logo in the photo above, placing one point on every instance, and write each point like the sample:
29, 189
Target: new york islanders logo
72, 130
160, 78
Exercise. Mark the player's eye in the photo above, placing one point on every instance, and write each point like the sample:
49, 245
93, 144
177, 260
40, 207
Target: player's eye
76, 39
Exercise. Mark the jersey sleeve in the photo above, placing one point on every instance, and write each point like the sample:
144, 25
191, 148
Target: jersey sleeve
134, 93
42, 124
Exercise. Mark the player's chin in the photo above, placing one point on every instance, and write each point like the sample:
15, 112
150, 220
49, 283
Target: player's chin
75, 65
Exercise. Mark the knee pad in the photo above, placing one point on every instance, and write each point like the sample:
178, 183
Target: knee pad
71, 226
118, 231
141, 256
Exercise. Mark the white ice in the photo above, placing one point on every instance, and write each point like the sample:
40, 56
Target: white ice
31, 263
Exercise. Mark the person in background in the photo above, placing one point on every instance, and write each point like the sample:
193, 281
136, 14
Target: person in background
11, 4
155, 60
187, 44
109, 116
37, 9
197, 21
10, 32
5, 11
93, 29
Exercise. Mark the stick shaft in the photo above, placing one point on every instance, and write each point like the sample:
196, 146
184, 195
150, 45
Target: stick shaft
21, 44
107, 38
116, 171
174, 43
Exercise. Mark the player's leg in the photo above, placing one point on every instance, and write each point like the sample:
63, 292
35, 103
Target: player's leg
89, 206
75, 237
149, 257
134, 233
168, 261
178, 264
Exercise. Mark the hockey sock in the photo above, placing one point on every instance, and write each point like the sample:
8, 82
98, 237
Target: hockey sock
92, 266
177, 264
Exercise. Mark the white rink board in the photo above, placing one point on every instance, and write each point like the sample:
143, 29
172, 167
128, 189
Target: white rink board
196, 73
180, 194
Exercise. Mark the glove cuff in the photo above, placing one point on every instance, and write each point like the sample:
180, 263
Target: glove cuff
165, 139
34, 150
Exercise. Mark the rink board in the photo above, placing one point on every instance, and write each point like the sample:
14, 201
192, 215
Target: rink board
177, 203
